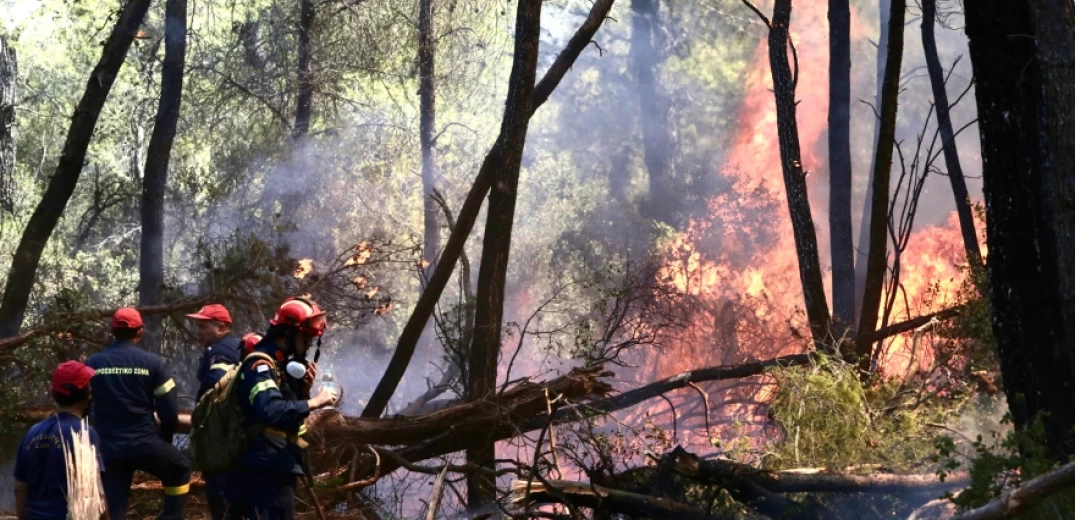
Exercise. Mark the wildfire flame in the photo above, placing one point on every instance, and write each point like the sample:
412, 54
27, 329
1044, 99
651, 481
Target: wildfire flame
363, 251
360, 282
383, 309
372, 292
303, 268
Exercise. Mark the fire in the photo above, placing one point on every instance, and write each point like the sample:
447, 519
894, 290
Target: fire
303, 268
383, 309
372, 292
360, 282
363, 251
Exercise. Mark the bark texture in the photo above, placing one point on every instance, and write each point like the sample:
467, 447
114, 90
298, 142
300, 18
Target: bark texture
155, 182
305, 94
20, 279
655, 109
948, 139
840, 229
9, 73
427, 94
877, 260
468, 214
1015, 501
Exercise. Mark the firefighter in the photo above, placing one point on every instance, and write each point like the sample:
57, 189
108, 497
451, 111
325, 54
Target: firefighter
129, 387
276, 406
250, 340
213, 324
40, 470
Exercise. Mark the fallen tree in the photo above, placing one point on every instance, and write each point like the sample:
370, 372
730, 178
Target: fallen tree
1020, 499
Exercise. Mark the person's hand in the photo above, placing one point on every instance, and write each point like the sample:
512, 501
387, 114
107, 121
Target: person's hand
326, 397
311, 375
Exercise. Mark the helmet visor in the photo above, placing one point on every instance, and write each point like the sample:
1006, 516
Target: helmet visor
315, 326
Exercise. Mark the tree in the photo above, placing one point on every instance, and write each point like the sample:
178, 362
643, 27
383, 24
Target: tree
305, 94
9, 71
840, 230
20, 280
155, 183
948, 139
427, 92
1036, 359
655, 113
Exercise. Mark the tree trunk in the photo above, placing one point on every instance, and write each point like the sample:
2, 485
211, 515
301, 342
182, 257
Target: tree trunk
817, 309
304, 104
884, 8
154, 185
496, 248
427, 302
877, 260
1027, 322
1054, 21
948, 140
840, 231
23, 271
654, 110
9, 73
427, 93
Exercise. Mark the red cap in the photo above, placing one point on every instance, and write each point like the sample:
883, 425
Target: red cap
127, 318
71, 373
213, 311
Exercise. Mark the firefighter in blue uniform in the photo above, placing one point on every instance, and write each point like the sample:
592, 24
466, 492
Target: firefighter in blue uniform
213, 330
129, 386
40, 469
275, 405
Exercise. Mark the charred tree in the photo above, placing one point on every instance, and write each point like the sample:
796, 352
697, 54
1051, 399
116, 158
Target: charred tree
802, 222
427, 93
496, 248
305, 95
877, 260
9, 72
1035, 362
884, 8
654, 107
1054, 21
948, 140
20, 279
468, 214
155, 182
840, 229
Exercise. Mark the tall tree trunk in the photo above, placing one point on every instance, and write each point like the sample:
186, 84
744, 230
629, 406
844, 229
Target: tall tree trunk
9, 72
944, 121
884, 8
427, 93
1054, 21
496, 248
155, 182
468, 214
1027, 321
886, 139
802, 222
840, 229
304, 104
20, 279
655, 110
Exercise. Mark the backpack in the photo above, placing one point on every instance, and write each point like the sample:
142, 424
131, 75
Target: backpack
218, 436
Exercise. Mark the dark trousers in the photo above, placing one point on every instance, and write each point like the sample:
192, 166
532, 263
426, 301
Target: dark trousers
260, 494
164, 462
216, 488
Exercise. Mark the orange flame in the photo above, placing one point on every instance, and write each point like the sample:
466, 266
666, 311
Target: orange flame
372, 292
303, 268
363, 251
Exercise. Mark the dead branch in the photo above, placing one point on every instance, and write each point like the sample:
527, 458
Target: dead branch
589, 495
1018, 500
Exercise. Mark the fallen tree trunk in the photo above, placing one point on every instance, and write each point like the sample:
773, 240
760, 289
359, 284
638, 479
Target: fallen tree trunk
1023, 498
590, 495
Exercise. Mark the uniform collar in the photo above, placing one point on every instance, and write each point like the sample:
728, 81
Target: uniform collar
123, 343
222, 339
270, 348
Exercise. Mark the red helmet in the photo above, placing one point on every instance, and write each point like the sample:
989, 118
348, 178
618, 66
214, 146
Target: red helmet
249, 341
302, 313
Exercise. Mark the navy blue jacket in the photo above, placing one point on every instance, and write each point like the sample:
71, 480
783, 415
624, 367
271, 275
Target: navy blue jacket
272, 399
40, 464
216, 360
131, 384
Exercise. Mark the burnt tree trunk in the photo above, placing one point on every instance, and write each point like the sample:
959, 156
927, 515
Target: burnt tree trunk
802, 223
9, 73
948, 139
496, 248
427, 93
884, 8
654, 110
1027, 322
23, 271
1054, 21
155, 182
840, 229
877, 260
304, 99
468, 214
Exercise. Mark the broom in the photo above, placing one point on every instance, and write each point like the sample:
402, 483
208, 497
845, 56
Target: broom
85, 497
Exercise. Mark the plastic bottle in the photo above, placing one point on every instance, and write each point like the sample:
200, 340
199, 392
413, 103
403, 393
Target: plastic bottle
327, 382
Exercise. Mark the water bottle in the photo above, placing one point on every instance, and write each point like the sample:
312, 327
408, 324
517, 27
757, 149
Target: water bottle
329, 382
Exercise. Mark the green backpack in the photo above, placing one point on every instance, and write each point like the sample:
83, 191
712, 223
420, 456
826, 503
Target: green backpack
217, 436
